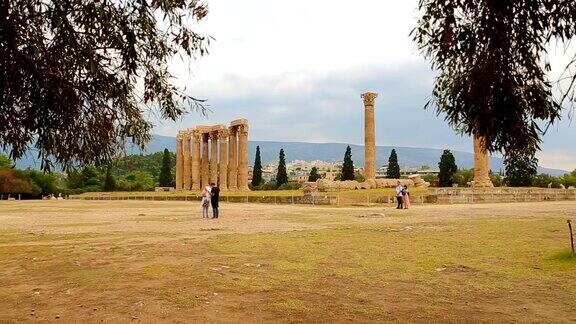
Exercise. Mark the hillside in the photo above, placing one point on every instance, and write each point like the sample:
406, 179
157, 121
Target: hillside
328, 152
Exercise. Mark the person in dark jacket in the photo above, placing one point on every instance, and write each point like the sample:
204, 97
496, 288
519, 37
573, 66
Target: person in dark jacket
215, 200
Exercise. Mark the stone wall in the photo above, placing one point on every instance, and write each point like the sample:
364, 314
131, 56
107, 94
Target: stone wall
497, 195
324, 185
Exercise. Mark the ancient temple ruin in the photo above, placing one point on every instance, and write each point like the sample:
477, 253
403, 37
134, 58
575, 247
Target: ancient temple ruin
213, 154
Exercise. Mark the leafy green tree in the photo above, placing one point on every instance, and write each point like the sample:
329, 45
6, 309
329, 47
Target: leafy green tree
5, 162
393, 171
91, 176
136, 181
71, 73
109, 182
314, 176
463, 177
544, 180
74, 179
496, 179
150, 163
569, 180
165, 177
282, 175
432, 179
491, 58
447, 166
347, 166
520, 169
46, 183
257, 170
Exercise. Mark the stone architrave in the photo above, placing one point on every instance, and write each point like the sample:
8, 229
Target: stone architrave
243, 157
179, 161
205, 162
223, 172
369, 136
196, 143
214, 157
481, 164
233, 158
186, 161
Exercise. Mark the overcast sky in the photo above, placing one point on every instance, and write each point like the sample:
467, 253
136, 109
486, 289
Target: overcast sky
296, 70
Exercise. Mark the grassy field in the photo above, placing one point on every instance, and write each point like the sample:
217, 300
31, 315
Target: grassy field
159, 261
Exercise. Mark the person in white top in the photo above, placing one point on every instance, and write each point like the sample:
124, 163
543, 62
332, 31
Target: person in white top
205, 203
399, 189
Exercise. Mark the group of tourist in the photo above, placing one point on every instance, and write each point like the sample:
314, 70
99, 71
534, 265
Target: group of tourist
402, 196
210, 197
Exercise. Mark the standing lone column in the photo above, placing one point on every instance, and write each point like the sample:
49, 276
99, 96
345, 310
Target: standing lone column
187, 164
205, 162
214, 157
481, 164
369, 136
233, 161
243, 157
179, 162
223, 174
196, 160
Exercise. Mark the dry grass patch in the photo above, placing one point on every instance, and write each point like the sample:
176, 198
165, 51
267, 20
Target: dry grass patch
489, 263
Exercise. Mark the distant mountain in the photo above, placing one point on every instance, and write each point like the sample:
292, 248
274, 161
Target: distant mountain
408, 156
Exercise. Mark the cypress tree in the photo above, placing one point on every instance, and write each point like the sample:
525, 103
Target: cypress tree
281, 176
447, 166
109, 182
257, 172
347, 166
393, 171
165, 176
314, 176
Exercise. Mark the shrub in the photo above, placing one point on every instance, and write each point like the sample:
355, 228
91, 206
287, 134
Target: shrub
290, 186
270, 185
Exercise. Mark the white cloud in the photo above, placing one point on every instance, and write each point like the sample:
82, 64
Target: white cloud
296, 70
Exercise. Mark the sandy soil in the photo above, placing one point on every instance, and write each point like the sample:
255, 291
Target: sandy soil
125, 261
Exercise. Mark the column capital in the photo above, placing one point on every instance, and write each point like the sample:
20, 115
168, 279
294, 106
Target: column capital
369, 98
196, 135
223, 134
243, 129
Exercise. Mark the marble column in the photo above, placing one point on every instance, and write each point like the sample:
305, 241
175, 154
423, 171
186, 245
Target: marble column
179, 161
481, 164
205, 162
369, 136
187, 164
243, 157
196, 140
223, 173
233, 158
214, 157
